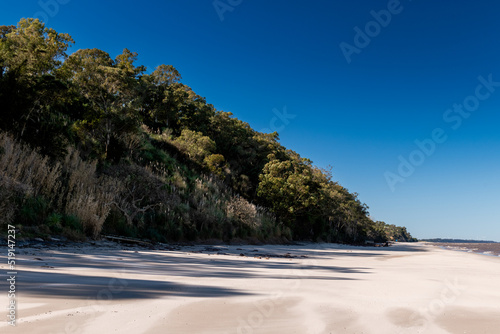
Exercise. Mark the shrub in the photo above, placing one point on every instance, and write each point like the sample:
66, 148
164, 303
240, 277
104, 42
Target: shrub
196, 146
54, 222
116, 223
33, 211
242, 211
11, 193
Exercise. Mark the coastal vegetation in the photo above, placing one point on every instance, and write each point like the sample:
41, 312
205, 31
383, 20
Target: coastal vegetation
91, 144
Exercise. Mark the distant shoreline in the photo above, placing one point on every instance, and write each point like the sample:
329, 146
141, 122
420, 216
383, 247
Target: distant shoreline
490, 249
460, 241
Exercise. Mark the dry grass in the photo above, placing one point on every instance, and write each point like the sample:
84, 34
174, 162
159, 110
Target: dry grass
88, 196
25, 166
197, 208
72, 187
23, 172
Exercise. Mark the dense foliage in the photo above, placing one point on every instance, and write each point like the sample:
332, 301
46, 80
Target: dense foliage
114, 148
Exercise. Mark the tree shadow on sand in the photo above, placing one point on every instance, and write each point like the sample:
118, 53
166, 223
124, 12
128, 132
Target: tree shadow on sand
56, 285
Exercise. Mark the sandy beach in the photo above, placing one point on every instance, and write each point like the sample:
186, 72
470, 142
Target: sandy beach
308, 288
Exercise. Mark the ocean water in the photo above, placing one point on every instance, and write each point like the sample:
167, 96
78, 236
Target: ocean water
479, 248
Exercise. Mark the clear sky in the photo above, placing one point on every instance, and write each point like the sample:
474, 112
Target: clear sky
349, 92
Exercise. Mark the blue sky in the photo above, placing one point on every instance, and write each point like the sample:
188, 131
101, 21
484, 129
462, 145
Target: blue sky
361, 117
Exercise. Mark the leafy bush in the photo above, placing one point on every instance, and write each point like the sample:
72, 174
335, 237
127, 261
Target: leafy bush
54, 222
34, 211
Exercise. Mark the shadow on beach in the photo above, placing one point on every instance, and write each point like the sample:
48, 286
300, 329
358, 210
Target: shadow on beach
249, 262
56, 285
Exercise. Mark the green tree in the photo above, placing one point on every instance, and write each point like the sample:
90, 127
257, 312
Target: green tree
31, 48
246, 151
288, 187
162, 97
33, 100
110, 88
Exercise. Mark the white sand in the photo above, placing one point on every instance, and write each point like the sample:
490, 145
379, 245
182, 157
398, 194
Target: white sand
406, 288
